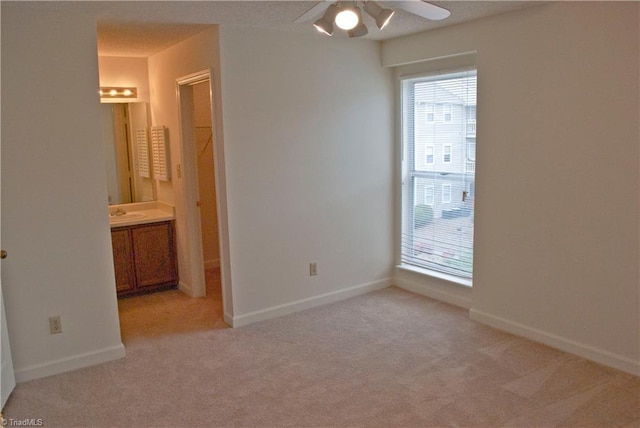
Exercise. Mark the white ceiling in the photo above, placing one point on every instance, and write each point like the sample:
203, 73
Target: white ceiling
141, 28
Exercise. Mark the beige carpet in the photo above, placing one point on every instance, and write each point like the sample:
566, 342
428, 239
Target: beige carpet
388, 358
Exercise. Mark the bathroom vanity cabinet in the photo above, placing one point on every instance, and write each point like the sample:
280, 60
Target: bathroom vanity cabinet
144, 258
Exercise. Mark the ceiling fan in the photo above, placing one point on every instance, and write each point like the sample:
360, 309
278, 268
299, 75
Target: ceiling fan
348, 16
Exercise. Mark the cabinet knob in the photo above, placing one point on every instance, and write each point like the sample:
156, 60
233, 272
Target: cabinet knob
3, 254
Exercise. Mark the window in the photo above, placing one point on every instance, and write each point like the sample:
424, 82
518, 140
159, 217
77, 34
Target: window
446, 193
471, 157
446, 153
429, 155
429, 195
438, 200
446, 113
430, 113
470, 112
471, 152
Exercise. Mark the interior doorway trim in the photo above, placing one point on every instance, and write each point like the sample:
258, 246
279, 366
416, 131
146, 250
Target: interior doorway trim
190, 194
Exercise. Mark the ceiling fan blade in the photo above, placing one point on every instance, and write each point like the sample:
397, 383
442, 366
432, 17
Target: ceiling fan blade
424, 9
315, 12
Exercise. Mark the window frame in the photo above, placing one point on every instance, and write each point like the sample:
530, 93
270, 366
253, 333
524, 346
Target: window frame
433, 195
459, 65
444, 154
471, 147
447, 109
430, 113
448, 193
433, 154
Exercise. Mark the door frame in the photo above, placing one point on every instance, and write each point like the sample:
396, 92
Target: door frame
190, 194
7, 374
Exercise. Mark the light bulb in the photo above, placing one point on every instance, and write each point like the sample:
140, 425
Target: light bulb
347, 19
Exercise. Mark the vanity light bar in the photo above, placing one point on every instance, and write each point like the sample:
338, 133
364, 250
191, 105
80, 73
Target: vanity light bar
115, 92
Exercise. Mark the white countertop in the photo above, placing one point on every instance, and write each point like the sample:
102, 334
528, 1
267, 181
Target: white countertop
140, 213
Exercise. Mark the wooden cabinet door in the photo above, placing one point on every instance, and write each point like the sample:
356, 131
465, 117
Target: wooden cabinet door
153, 250
123, 260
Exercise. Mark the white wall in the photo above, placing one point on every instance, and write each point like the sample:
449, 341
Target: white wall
557, 221
54, 195
308, 134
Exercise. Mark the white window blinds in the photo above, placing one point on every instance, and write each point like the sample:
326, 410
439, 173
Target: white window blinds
142, 153
438, 172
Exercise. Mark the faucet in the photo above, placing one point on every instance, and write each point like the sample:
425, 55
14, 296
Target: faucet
118, 212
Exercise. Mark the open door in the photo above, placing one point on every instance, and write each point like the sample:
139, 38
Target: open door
7, 377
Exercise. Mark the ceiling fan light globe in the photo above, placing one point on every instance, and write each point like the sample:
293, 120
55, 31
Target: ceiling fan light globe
347, 18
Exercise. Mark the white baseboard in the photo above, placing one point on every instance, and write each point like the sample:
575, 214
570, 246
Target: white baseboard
311, 302
434, 288
185, 288
70, 363
567, 345
228, 319
212, 264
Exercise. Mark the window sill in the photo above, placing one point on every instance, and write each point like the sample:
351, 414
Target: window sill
443, 276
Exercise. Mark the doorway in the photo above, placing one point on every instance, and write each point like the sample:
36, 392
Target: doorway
203, 139
203, 188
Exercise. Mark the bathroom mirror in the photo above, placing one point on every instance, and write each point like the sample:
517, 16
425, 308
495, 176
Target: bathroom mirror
128, 172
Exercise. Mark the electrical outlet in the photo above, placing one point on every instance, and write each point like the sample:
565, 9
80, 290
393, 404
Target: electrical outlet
313, 269
55, 325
